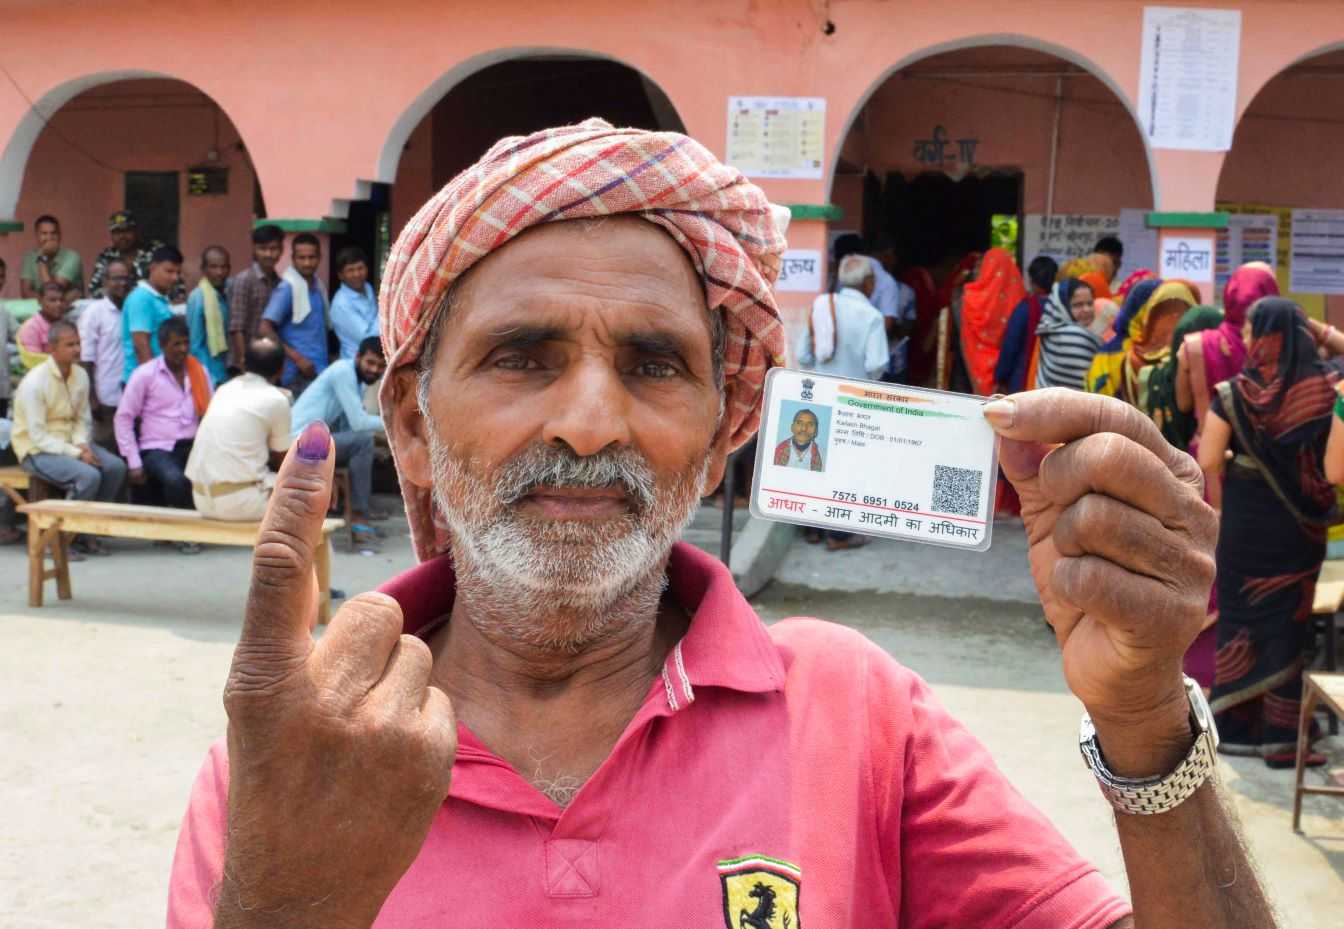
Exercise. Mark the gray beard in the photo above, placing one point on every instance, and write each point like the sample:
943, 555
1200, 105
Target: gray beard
559, 585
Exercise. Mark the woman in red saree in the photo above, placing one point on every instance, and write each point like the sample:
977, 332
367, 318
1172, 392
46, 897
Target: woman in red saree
986, 304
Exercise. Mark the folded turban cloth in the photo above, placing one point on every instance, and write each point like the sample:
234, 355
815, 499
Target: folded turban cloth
730, 232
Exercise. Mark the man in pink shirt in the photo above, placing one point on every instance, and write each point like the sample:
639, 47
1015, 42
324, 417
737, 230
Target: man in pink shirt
32, 335
157, 419
562, 718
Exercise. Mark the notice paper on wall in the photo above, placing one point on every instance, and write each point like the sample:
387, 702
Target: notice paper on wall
1065, 236
1317, 252
801, 270
780, 137
1188, 77
1140, 242
1248, 237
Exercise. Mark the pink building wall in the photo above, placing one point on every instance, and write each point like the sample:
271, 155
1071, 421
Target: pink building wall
314, 139
143, 125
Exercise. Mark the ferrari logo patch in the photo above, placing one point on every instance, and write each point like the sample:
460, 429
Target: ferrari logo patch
760, 892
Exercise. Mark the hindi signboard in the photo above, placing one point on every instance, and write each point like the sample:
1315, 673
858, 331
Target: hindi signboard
801, 271
1188, 257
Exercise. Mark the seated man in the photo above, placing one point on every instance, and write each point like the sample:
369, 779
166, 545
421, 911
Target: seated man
166, 396
33, 334
208, 314
337, 398
245, 429
52, 424
50, 261
565, 717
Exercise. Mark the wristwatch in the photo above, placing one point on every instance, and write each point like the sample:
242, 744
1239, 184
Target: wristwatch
1147, 796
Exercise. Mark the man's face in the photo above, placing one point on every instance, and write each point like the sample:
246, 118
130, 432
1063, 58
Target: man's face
51, 304
66, 350
217, 269
175, 350
572, 422
355, 276
117, 282
306, 258
164, 275
1084, 311
48, 238
124, 240
370, 366
804, 429
267, 254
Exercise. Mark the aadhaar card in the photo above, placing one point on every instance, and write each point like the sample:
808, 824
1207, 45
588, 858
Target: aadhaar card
878, 459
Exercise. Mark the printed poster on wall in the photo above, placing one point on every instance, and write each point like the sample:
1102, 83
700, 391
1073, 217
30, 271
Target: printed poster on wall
777, 137
801, 271
1065, 236
1188, 77
1313, 303
1139, 240
1317, 251
1248, 237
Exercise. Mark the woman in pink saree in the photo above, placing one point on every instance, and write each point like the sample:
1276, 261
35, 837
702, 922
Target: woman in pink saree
1207, 358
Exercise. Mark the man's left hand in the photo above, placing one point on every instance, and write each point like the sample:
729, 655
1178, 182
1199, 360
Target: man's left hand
1121, 550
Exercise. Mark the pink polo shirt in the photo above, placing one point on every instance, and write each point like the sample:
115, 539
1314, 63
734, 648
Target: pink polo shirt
794, 777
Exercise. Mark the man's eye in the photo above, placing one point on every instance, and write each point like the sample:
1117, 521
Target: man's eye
656, 369
515, 363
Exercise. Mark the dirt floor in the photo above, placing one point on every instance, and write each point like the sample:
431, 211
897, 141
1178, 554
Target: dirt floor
110, 701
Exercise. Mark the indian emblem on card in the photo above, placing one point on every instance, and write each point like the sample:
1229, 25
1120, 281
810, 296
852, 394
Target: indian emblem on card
760, 893
808, 384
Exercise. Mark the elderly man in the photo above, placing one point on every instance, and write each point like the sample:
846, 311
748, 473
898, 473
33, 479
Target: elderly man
51, 429
845, 336
564, 718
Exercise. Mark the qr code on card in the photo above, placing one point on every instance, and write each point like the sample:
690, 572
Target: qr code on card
956, 490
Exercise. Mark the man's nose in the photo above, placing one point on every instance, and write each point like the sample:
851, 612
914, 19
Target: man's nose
588, 408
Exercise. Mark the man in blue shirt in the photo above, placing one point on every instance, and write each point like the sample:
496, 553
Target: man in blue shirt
296, 315
354, 308
337, 398
147, 308
208, 314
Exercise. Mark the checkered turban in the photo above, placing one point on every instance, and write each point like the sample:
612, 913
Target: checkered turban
731, 233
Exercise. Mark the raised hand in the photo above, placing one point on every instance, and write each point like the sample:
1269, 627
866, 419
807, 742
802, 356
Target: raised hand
340, 752
1121, 550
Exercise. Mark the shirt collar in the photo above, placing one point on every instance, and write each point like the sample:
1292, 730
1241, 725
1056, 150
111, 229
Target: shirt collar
727, 645
852, 292
366, 293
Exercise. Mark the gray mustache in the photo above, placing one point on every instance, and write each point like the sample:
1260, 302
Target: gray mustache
559, 466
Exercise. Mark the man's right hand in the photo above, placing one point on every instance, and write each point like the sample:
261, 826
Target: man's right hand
87, 456
340, 751
136, 476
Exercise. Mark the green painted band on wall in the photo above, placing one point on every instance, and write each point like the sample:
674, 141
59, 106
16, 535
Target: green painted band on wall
827, 211
10, 225
1186, 220
327, 224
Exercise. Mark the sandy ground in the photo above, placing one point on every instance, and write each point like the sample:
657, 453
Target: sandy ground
110, 701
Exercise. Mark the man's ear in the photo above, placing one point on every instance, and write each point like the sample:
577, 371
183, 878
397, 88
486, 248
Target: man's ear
720, 446
408, 429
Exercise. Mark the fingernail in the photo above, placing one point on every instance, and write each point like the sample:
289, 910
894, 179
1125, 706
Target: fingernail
1001, 413
315, 441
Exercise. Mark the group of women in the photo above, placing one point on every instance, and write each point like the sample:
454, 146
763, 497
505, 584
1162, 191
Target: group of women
1250, 390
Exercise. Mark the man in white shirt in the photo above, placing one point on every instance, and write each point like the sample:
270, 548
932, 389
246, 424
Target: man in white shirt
101, 350
242, 437
894, 300
846, 335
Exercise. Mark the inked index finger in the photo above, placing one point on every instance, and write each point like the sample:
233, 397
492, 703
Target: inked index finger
1056, 415
278, 600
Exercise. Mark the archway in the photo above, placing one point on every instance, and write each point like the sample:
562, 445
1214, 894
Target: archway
137, 140
1283, 159
504, 92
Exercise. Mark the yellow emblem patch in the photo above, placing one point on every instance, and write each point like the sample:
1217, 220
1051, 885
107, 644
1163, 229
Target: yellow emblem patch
760, 892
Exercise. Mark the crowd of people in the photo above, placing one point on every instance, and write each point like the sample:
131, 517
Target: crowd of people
131, 387
1249, 388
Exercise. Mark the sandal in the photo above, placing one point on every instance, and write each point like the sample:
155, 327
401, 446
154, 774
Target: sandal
364, 534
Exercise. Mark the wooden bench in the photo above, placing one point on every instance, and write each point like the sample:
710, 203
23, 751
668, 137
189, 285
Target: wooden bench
52, 522
1329, 690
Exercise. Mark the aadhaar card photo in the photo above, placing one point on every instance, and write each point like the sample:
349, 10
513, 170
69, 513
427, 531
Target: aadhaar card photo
878, 459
